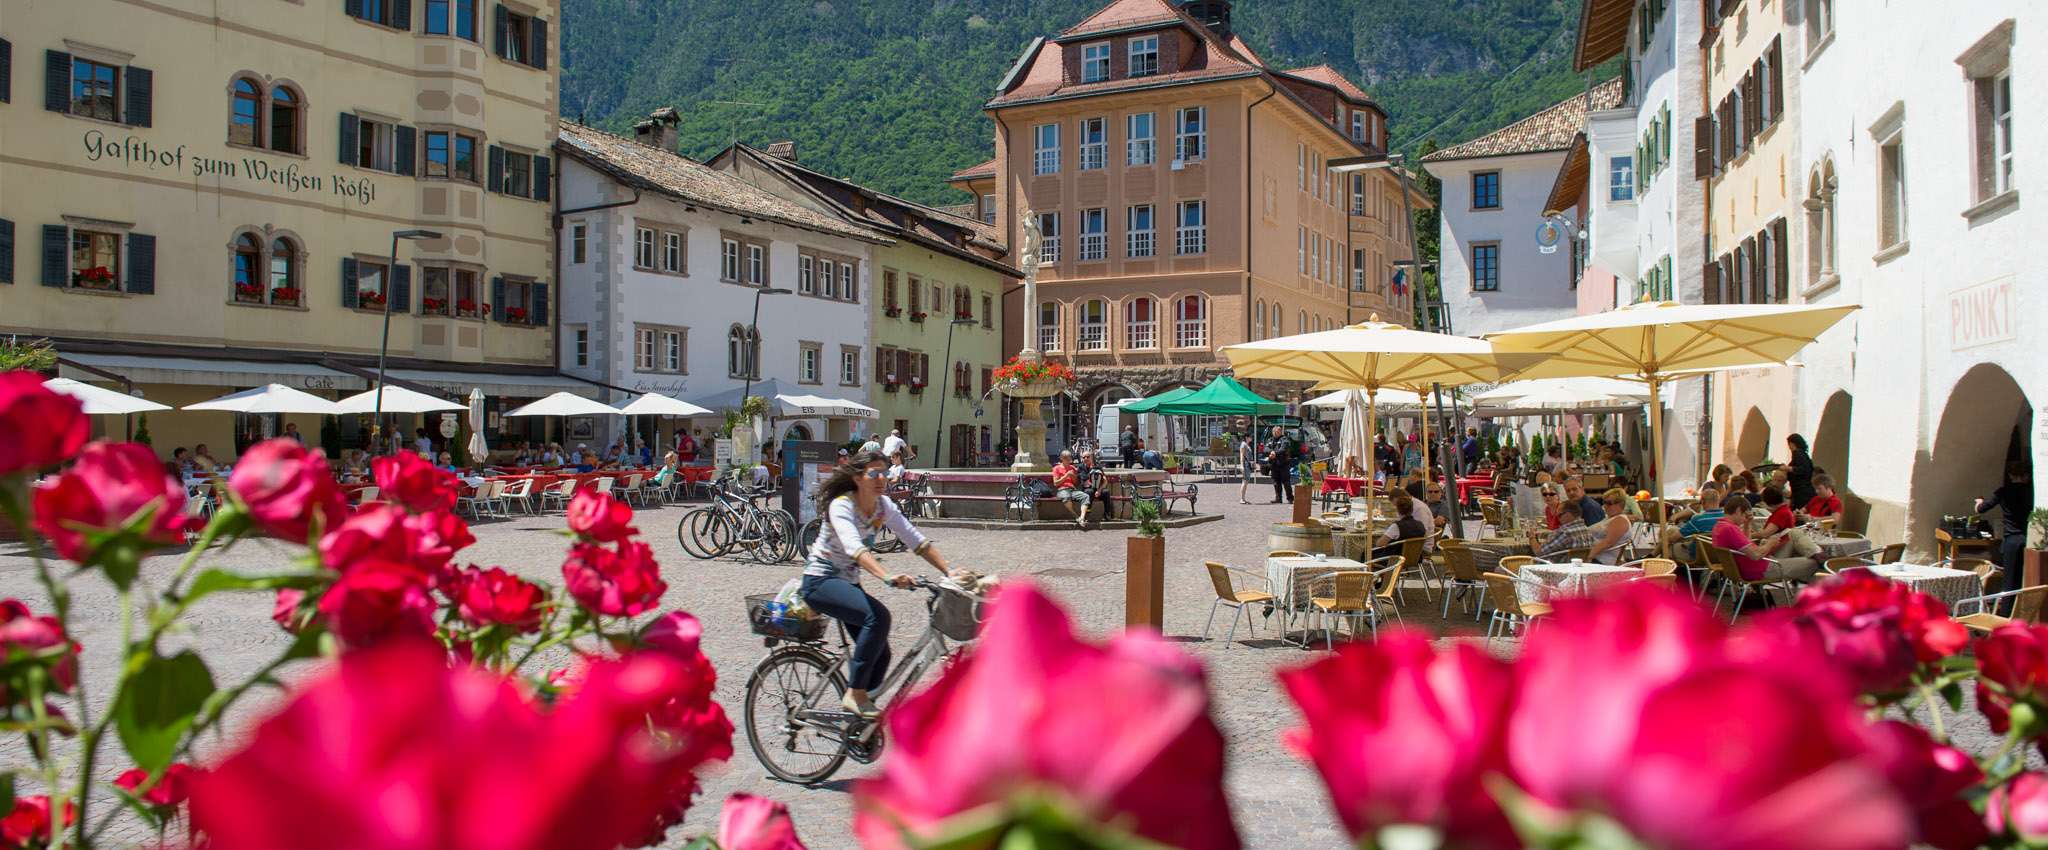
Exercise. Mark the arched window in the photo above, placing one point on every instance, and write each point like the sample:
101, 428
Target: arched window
284, 119
245, 112
1191, 322
1301, 322
284, 273
1820, 222
1094, 325
1279, 325
743, 352
1141, 323
1049, 326
1259, 320
248, 274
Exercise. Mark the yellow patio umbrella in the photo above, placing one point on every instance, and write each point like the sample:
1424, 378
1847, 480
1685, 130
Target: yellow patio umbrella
1375, 354
1653, 341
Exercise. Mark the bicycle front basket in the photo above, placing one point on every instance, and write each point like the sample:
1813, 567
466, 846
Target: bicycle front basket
958, 614
769, 618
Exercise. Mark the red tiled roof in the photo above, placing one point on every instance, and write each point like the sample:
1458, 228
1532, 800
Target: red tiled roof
1549, 130
1327, 74
1123, 13
677, 176
893, 214
975, 172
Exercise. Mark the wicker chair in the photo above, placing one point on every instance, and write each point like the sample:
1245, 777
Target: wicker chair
1836, 566
1891, 554
1513, 564
1731, 575
1509, 611
1461, 576
1653, 567
2026, 608
1350, 599
1227, 594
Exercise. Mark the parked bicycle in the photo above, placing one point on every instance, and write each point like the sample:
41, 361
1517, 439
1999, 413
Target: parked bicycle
736, 522
795, 723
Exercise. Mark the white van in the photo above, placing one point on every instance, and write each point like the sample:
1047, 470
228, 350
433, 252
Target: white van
1109, 427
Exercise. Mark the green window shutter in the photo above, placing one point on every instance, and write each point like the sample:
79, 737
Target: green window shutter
141, 264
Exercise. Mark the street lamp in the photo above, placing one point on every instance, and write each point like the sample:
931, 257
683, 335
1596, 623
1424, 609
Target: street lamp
749, 347
939, 431
384, 345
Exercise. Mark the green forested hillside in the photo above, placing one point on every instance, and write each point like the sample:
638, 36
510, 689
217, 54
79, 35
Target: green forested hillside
888, 92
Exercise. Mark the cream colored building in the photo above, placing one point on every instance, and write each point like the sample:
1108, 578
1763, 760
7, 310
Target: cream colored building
200, 196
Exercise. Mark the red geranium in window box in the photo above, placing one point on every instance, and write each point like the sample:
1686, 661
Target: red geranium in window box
371, 300
917, 316
434, 305
284, 295
515, 314
466, 307
892, 312
249, 293
97, 277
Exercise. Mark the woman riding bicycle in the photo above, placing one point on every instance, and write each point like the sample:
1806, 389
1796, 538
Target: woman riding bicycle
855, 508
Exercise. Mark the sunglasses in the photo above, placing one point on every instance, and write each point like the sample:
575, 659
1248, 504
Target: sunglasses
875, 473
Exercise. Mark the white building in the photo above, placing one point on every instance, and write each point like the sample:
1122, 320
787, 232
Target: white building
1912, 165
663, 260
1496, 192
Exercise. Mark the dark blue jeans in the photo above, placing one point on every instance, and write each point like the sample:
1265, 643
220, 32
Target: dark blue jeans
865, 617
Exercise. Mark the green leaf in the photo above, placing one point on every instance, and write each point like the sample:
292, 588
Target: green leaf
158, 704
701, 842
1953, 693
7, 791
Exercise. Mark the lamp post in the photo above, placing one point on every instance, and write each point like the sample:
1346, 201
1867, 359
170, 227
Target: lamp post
384, 345
939, 431
753, 352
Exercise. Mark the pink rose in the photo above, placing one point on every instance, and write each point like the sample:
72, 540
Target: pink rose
1933, 778
378, 600
109, 486
387, 532
28, 825
621, 582
1622, 700
494, 597
394, 749
412, 481
25, 636
1404, 734
170, 791
285, 611
1878, 631
1121, 731
2019, 809
43, 428
756, 823
287, 489
600, 517
2012, 666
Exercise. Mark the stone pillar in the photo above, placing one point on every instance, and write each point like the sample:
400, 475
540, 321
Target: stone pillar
1030, 437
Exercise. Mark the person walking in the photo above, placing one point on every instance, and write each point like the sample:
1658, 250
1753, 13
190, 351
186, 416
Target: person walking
1280, 459
1127, 446
1799, 470
1245, 460
2014, 501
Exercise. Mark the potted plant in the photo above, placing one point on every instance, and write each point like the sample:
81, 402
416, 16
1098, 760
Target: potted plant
248, 293
515, 315
917, 386
372, 300
285, 295
1145, 568
97, 277
892, 311
434, 305
917, 316
465, 307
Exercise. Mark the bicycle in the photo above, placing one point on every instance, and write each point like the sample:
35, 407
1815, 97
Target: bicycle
767, 535
795, 724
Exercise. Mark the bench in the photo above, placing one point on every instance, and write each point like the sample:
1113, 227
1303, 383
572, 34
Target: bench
1162, 493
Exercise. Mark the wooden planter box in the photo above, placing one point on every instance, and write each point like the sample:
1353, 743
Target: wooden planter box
1145, 582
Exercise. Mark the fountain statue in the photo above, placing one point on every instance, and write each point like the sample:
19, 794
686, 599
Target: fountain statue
1027, 377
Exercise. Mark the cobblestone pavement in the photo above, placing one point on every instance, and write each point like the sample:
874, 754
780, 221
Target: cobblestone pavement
1278, 801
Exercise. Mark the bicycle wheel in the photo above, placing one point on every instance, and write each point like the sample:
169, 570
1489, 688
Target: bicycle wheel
785, 536
697, 531
808, 536
794, 749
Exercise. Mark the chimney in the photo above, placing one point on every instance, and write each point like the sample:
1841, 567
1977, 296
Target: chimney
784, 149
659, 130
1214, 14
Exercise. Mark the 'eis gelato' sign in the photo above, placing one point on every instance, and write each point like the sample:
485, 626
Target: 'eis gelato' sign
134, 152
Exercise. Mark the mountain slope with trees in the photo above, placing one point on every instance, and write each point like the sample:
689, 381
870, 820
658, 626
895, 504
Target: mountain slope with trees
889, 92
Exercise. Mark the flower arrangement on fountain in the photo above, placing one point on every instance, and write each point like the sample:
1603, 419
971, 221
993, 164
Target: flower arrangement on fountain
1033, 377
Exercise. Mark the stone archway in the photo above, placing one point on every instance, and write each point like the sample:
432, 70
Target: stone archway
1754, 441
1983, 424
1831, 456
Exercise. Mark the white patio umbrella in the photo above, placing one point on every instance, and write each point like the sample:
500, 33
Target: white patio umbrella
656, 404
790, 406
100, 401
269, 398
397, 400
1654, 341
566, 404
478, 448
1561, 390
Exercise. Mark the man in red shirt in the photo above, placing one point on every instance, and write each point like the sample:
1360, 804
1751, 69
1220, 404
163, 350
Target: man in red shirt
1824, 501
1066, 484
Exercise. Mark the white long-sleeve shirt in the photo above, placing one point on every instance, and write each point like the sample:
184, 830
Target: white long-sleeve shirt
846, 533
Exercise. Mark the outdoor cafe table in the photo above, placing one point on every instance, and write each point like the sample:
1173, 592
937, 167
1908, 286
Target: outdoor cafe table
1838, 547
1949, 586
1291, 577
1543, 582
1486, 554
1353, 487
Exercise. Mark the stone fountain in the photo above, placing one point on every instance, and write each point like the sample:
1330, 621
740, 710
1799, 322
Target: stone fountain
1031, 393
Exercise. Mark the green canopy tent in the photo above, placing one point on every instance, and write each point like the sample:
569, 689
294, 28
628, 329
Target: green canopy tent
1224, 396
1146, 405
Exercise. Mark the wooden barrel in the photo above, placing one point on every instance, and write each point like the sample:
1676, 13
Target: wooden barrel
1300, 538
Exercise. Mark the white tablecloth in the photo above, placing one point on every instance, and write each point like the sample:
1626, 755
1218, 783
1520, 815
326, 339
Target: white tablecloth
1550, 581
1291, 577
1949, 586
1837, 547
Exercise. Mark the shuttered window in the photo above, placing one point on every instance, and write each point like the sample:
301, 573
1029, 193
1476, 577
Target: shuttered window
520, 38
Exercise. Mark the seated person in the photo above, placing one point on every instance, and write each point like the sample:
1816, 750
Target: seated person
1615, 529
1095, 483
666, 476
1066, 485
1405, 527
446, 462
1701, 521
1729, 534
1573, 534
1423, 514
588, 463
1553, 502
181, 462
773, 462
896, 469
1780, 520
1825, 502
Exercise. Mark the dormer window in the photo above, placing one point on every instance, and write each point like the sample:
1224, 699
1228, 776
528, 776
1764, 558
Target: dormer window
1144, 56
1094, 62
